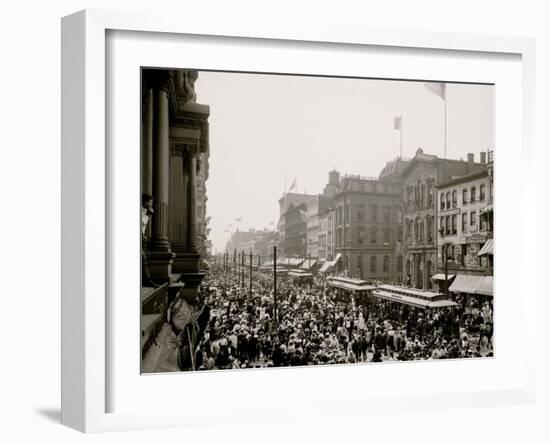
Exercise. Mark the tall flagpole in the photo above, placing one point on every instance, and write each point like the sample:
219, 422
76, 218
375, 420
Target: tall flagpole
445, 100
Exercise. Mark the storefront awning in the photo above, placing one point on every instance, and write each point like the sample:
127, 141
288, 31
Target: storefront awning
473, 284
327, 266
486, 286
441, 277
487, 248
308, 264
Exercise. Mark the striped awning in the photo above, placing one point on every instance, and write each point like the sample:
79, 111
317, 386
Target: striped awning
487, 248
327, 266
441, 277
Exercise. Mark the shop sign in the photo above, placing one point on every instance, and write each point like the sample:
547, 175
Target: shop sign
476, 238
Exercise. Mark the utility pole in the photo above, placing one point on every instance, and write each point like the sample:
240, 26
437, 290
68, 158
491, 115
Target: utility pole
275, 284
242, 268
250, 289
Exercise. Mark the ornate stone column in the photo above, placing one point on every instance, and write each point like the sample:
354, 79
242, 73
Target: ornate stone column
147, 153
192, 244
161, 256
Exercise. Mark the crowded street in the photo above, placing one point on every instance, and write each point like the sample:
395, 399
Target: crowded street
315, 325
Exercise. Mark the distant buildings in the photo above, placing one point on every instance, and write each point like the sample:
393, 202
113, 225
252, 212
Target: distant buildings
259, 242
396, 227
286, 202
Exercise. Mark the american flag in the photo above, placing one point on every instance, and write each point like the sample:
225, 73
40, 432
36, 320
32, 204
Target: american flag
397, 123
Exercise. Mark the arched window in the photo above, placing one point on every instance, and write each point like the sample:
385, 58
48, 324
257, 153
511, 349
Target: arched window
386, 264
373, 235
442, 199
455, 202
373, 263
448, 200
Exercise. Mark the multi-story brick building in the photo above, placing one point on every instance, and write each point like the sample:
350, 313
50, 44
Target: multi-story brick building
315, 207
366, 227
295, 242
287, 201
465, 225
420, 178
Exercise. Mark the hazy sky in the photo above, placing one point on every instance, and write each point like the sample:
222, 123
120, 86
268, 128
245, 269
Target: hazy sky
263, 126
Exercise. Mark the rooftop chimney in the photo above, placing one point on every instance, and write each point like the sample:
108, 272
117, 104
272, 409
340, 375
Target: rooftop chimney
470, 162
483, 157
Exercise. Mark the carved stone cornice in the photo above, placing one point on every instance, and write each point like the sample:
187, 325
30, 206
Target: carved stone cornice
184, 140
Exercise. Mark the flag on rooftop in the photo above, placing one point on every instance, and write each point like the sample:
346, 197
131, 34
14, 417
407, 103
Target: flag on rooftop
438, 89
397, 123
293, 185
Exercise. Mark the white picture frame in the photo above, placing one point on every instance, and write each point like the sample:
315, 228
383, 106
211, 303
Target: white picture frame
85, 308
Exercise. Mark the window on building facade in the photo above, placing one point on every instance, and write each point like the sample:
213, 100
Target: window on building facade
430, 194
386, 235
399, 216
408, 223
447, 225
422, 191
386, 264
361, 235
472, 194
454, 222
360, 212
448, 200
464, 222
399, 264
442, 225
373, 263
442, 201
482, 221
420, 231
374, 213
472, 218
346, 214
482, 192
430, 229
386, 215
373, 235
455, 198
464, 196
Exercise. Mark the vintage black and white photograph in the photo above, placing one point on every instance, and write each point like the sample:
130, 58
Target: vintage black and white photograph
297, 220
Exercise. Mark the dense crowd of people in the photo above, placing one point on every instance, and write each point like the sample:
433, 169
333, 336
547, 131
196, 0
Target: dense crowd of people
316, 324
